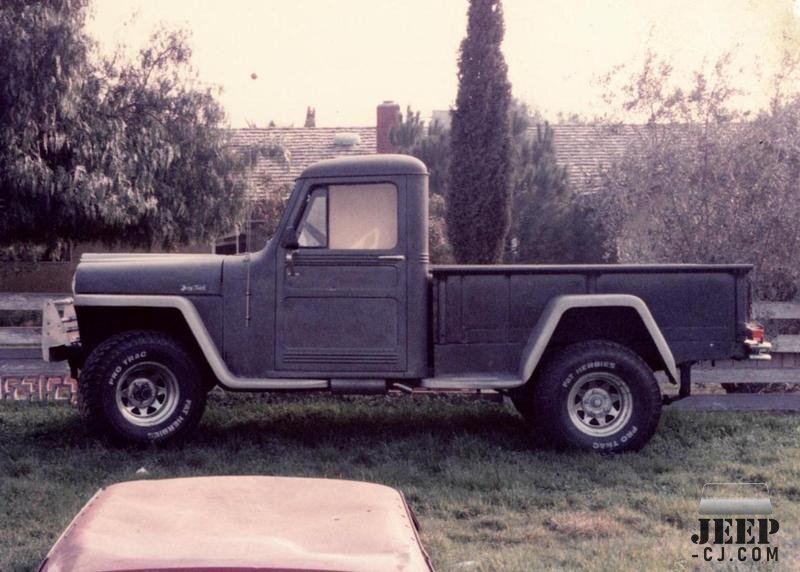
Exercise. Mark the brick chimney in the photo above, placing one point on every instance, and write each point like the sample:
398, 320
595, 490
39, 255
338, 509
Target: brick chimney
388, 117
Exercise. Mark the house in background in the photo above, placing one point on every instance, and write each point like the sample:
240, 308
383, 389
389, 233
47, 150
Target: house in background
588, 150
584, 149
304, 146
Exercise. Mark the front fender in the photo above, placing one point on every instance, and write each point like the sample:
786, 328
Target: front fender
204, 341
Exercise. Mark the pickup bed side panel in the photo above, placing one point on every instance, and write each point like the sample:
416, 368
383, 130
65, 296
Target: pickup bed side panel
483, 322
696, 312
484, 315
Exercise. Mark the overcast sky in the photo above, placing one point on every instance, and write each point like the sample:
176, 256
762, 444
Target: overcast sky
346, 56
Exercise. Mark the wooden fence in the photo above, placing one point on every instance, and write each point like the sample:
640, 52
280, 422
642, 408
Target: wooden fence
784, 367
24, 376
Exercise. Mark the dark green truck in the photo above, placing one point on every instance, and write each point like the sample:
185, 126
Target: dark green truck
344, 299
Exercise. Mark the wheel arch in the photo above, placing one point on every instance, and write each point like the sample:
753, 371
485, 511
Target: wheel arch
621, 318
99, 323
201, 337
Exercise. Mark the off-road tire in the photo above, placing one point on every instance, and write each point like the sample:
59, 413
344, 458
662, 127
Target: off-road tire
106, 368
619, 374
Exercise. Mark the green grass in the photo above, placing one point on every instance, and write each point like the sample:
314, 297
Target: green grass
483, 495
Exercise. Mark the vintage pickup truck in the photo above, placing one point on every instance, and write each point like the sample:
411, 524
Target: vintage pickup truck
344, 299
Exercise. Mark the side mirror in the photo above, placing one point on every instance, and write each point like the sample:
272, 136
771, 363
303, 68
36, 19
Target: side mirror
290, 239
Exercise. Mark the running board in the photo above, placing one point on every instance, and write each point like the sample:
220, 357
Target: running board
472, 382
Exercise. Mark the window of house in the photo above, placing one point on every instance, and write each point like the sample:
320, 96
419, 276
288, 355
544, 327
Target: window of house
351, 217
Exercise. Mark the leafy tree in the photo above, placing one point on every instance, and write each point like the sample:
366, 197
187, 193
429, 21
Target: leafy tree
408, 131
44, 75
703, 183
102, 148
479, 189
431, 145
550, 222
311, 117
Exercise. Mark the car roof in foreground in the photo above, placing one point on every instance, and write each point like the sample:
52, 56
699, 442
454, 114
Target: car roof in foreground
241, 523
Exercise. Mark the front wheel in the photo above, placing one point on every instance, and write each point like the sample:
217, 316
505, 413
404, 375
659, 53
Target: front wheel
141, 387
595, 396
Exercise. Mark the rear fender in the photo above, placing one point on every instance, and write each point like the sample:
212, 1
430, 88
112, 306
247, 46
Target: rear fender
541, 335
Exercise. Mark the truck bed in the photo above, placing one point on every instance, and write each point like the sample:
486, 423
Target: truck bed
482, 315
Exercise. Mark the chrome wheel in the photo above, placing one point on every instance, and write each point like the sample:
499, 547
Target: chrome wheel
147, 394
599, 404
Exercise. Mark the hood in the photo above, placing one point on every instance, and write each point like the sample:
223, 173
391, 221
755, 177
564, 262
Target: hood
182, 274
242, 523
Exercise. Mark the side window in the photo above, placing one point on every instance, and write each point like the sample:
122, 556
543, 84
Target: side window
351, 217
314, 225
363, 217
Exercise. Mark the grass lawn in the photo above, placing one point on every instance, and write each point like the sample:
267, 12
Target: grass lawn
485, 498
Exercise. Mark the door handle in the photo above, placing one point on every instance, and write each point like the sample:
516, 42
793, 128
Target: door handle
290, 263
395, 257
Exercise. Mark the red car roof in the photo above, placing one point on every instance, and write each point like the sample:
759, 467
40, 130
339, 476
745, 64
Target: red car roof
241, 523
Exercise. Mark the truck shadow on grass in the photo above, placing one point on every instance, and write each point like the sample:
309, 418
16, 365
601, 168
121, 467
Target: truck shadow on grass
318, 421
306, 420
237, 421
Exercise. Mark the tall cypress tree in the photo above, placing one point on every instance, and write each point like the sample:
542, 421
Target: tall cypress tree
479, 194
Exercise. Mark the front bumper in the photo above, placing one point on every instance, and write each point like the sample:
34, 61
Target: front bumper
60, 335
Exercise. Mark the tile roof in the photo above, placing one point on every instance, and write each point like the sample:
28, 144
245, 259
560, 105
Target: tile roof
584, 149
588, 149
304, 146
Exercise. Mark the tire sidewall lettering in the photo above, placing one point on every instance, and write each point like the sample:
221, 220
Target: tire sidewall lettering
172, 427
596, 364
626, 432
615, 443
183, 411
169, 429
126, 362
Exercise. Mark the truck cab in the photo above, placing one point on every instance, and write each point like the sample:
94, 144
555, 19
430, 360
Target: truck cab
344, 299
341, 291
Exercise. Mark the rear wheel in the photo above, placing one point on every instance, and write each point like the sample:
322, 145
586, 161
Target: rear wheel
596, 396
142, 387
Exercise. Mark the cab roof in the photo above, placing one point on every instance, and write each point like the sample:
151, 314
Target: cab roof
366, 165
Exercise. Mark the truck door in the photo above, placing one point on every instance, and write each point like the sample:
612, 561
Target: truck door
341, 303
